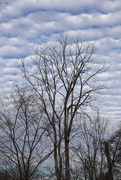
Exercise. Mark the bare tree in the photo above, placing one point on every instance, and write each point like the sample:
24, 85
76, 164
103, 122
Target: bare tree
64, 82
113, 155
22, 138
87, 147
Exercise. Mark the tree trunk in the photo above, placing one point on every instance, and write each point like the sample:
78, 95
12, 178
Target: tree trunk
67, 169
56, 163
110, 173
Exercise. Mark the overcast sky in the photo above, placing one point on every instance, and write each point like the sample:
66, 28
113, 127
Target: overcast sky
25, 24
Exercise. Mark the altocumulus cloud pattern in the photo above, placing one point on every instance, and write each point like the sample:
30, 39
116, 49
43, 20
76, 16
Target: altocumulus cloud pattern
25, 24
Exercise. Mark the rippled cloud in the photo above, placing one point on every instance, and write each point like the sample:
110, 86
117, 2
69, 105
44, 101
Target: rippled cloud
25, 24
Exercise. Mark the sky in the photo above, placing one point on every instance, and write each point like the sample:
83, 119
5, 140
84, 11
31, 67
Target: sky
25, 24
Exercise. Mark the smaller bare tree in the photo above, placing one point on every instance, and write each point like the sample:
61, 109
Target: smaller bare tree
88, 150
22, 134
113, 155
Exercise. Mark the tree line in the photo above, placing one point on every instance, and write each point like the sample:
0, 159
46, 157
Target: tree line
46, 120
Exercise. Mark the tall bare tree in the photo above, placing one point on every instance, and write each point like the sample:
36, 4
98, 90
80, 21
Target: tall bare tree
64, 81
22, 135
